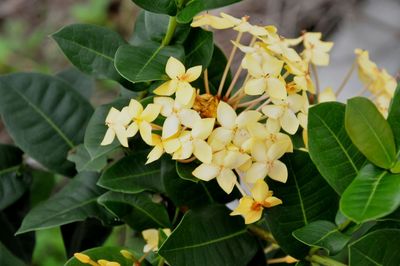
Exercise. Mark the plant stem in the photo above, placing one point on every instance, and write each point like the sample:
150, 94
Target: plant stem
326, 261
314, 70
240, 189
161, 262
261, 233
344, 225
170, 31
346, 79
175, 215
206, 84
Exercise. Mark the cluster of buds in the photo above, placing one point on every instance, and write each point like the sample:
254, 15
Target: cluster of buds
87, 260
238, 135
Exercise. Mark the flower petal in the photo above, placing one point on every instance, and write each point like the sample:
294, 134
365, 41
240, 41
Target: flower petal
276, 88
132, 129
255, 86
206, 172
202, 151
145, 132
278, 171
202, 128
155, 154
167, 88
247, 117
120, 131
108, 137
193, 73
289, 122
188, 117
255, 172
135, 108
226, 180
260, 190
171, 145
226, 115
167, 105
151, 112
174, 68
185, 93
171, 126
273, 111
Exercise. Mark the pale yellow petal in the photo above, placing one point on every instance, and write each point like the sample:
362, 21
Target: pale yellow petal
171, 126
260, 190
276, 88
135, 108
124, 117
289, 122
132, 129
171, 145
244, 206
193, 73
108, 137
145, 132
151, 238
253, 216
202, 151
226, 115
206, 172
174, 68
184, 152
278, 171
151, 112
219, 138
155, 154
277, 150
255, 172
167, 105
112, 115
259, 151
185, 93
255, 86
273, 125
271, 202
167, 88
258, 130
327, 95
320, 58
273, 111
203, 128
247, 117
188, 117
226, 180
120, 131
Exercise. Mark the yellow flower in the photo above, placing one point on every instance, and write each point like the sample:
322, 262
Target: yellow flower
117, 121
87, 260
242, 25
180, 81
267, 163
315, 50
213, 21
151, 236
142, 119
251, 208
169, 145
221, 168
176, 115
327, 95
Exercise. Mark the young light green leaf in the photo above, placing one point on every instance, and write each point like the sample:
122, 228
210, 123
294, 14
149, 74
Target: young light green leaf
219, 239
336, 157
137, 210
45, 117
380, 247
374, 193
322, 234
75, 202
306, 198
370, 132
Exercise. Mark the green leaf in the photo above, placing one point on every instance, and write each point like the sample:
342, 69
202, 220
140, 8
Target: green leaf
137, 210
96, 129
370, 132
91, 49
380, 247
149, 61
105, 253
81, 157
218, 239
306, 198
81, 82
158, 6
322, 234
45, 117
7, 258
394, 116
153, 27
132, 175
336, 157
196, 6
184, 170
75, 202
199, 48
374, 193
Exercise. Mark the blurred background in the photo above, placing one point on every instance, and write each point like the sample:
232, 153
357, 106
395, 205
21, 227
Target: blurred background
25, 45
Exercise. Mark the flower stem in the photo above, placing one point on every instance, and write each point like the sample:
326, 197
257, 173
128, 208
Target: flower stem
239, 187
170, 31
261, 233
326, 261
346, 79
206, 84
314, 70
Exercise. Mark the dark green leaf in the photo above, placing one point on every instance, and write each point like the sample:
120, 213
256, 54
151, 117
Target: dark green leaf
80, 236
184, 170
218, 239
153, 27
374, 193
91, 49
81, 157
380, 247
394, 116
199, 48
132, 175
196, 6
330, 148
7, 258
81, 82
137, 210
45, 117
306, 198
75, 202
158, 6
146, 62
105, 253
10, 156
322, 234
370, 132
96, 129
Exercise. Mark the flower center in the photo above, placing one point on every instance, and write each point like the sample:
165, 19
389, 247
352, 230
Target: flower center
206, 105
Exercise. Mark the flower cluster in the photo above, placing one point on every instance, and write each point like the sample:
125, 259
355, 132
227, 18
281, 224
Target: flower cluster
87, 260
239, 134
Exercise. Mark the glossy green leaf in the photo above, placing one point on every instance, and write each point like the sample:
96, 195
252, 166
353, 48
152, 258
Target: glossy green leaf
322, 234
370, 132
75, 202
374, 193
149, 61
336, 157
83, 161
199, 48
306, 198
218, 239
394, 117
158, 6
91, 49
196, 6
7, 258
82, 83
137, 210
105, 253
96, 129
153, 27
184, 170
45, 117
132, 175
380, 247
42, 186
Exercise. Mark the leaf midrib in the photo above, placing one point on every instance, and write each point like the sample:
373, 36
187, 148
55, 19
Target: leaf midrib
130, 176
303, 211
367, 257
9, 170
149, 61
375, 186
